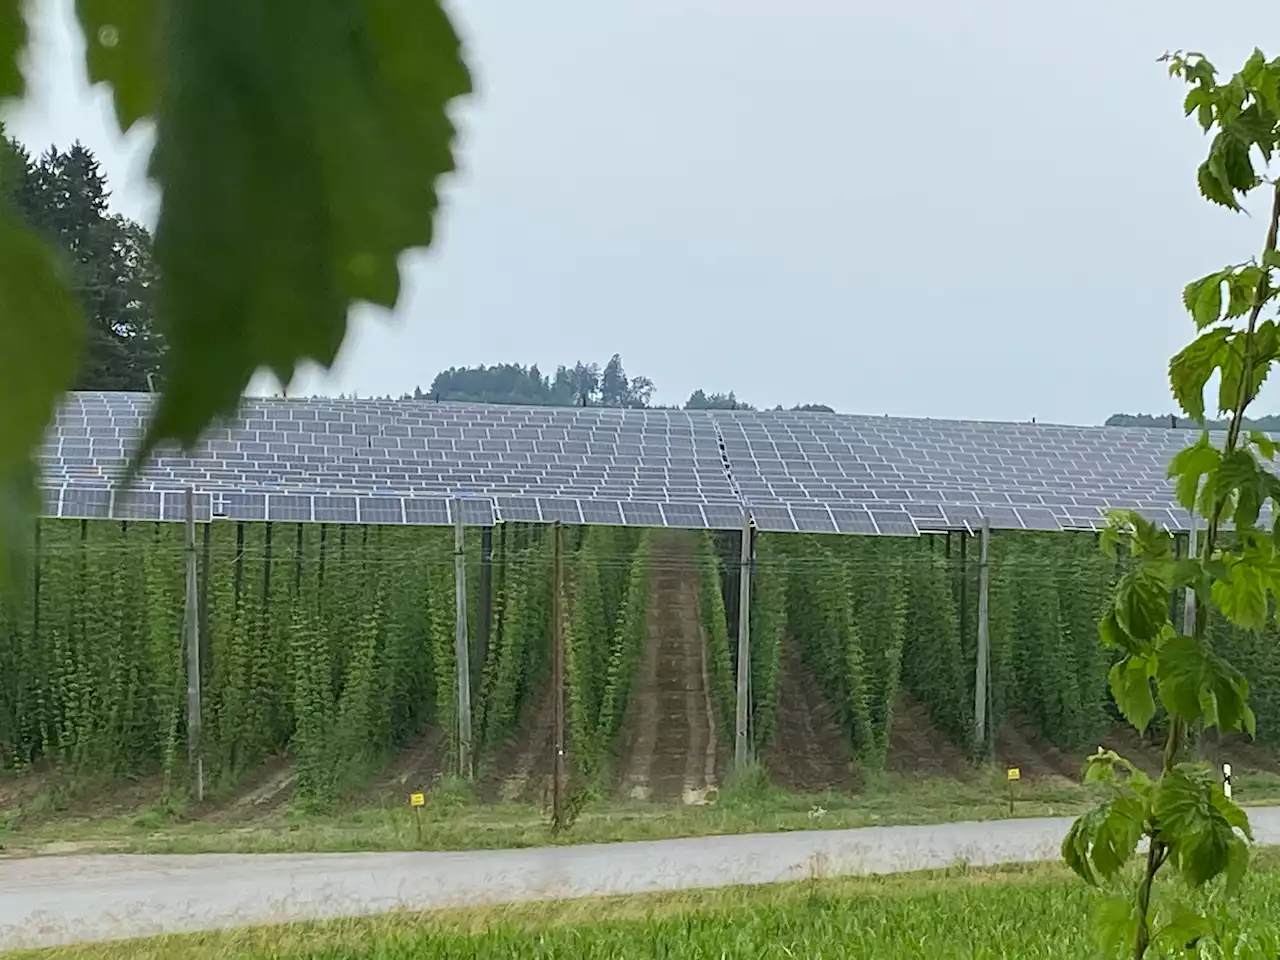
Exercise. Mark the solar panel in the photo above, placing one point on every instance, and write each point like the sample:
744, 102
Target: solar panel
83, 503
427, 510
602, 512
289, 507
687, 516
894, 523
773, 517
520, 509
564, 511
854, 520
638, 513
174, 507
334, 509
814, 519
322, 454
382, 510
240, 506
136, 505
724, 516
478, 512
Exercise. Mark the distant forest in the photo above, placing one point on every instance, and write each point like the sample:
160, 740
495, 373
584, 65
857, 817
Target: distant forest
1270, 423
580, 385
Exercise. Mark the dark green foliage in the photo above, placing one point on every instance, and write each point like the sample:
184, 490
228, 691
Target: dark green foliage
582, 385
878, 592
844, 607
933, 666
91, 672
1047, 592
768, 627
603, 639
1256, 653
520, 651
328, 644
62, 196
723, 686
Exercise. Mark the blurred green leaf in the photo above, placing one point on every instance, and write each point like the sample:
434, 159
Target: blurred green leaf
1266, 446
121, 46
13, 40
1130, 681
299, 150
41, 332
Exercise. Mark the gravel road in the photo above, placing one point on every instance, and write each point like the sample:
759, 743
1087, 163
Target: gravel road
56, 900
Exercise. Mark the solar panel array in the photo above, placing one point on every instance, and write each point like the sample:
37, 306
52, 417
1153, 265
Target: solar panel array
412, 462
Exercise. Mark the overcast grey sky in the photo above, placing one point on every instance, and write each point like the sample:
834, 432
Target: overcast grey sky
940, 208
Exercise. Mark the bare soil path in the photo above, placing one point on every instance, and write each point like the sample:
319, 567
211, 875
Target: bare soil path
810, 751
669, 744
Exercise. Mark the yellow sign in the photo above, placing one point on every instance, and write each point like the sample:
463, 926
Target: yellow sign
1015, 773
417, 800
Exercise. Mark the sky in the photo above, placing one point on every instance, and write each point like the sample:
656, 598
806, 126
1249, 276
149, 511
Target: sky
941, 208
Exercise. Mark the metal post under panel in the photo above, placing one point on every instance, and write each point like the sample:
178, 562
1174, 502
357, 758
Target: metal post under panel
191, 636
984, 640
462, 661
741, 748
1189, 602
557, 678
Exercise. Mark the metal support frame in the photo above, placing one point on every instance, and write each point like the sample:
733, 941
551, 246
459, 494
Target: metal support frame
741, 744
486, 603
462, 661
557, 678
980, 692
191, 637
964, 587
1189, 601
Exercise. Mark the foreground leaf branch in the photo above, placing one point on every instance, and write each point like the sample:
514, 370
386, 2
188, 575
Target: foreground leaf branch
299, 149
1190, 825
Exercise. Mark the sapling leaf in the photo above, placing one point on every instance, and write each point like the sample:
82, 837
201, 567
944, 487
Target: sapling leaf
1130, 682
1207, 309
1190, 369
1190, 465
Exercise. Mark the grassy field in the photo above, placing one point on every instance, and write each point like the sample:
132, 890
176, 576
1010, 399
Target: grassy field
452, 820
1030, 913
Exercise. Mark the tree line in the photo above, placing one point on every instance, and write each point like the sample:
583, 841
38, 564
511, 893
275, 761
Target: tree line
1269, 423
62, 195
580, 385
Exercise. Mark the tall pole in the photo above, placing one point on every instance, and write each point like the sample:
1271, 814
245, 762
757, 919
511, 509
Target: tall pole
462, 661
191, 636
486, 602
557, 679
740, 744
1189, 602
984, 640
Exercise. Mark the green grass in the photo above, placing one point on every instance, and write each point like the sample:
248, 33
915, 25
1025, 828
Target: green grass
452, 820
1030, 913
